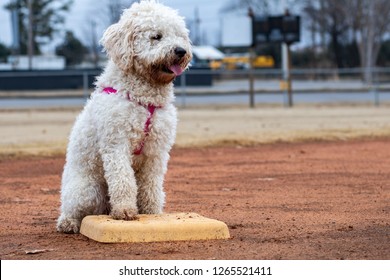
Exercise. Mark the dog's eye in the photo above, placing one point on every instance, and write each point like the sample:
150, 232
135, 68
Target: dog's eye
157, 37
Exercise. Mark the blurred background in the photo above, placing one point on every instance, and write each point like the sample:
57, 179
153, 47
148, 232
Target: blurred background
50, 52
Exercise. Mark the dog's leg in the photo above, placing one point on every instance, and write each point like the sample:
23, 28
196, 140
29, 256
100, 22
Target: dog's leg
150, 179
122, 186
80, 196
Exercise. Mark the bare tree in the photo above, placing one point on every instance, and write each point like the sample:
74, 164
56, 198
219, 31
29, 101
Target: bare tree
39, 20
94, 44
99, 17
258, 6
329, 17
262, 7
369, 20
362, 21
115, 8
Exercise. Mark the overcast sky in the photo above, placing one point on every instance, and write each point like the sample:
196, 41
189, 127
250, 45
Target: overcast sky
83, 12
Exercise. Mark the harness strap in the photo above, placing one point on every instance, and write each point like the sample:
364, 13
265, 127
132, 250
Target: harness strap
151, 109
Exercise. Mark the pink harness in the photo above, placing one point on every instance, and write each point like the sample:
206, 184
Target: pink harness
151, 110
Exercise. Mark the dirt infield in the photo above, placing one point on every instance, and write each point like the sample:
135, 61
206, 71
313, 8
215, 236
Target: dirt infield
313, 200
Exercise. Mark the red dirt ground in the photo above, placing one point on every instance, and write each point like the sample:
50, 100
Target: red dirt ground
325, 200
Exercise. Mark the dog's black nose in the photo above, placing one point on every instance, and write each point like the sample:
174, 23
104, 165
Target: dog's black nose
180, 52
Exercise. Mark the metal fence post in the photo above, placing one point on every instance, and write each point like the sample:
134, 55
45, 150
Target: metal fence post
251, 79
288, 78
372, 83
375, 92
85, 85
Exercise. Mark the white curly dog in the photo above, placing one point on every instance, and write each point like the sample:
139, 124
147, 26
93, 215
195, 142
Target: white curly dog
119, 146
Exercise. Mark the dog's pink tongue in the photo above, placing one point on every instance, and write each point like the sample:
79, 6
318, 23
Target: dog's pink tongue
176, 69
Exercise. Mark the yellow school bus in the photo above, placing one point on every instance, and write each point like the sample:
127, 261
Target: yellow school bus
242, 62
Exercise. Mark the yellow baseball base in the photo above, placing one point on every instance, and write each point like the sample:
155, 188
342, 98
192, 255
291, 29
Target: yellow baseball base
153, 228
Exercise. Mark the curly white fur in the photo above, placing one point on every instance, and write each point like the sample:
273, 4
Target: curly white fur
147, 48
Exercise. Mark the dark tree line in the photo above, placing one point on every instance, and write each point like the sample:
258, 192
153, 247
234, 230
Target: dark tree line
354, 24
343, 33
48, 18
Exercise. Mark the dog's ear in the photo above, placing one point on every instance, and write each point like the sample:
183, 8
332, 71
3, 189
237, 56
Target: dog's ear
118, 42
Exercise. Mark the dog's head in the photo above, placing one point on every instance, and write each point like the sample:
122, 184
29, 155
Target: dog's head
151, 41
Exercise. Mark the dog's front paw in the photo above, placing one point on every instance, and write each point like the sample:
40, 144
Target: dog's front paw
124, 213
68, 225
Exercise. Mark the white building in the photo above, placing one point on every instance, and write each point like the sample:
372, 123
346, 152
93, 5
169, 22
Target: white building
39, 62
